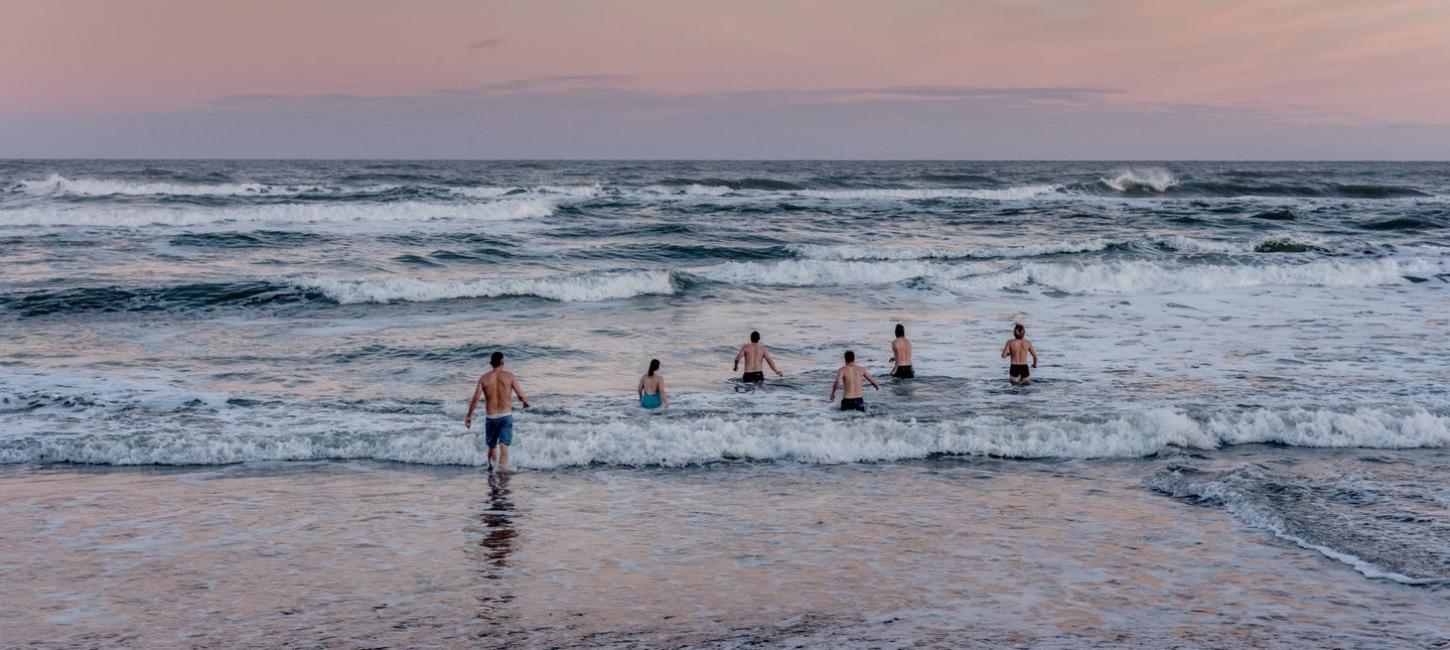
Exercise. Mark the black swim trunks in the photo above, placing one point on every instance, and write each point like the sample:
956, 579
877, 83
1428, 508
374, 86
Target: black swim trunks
1019, 370
753, 377
903, 372
854, 404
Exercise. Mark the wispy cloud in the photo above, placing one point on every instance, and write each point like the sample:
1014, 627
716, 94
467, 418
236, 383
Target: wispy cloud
486, 43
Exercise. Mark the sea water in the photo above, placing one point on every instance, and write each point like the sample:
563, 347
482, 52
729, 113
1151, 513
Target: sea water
220, 312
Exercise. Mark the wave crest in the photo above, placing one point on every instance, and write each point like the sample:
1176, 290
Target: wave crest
1151, 179
680, 439
288, 213
585, 287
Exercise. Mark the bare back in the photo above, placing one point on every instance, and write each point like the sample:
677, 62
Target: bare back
851, 377
497, 388
650, 384
754, 356
901, 351
1018, 349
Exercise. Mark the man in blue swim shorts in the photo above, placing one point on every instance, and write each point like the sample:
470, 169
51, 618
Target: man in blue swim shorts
497, 387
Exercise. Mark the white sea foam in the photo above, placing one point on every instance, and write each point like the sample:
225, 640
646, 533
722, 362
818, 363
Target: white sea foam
1017, 193
1139, 276
810, 273
291, 213
1236, 491
553, 441
565, 288
1152, 178
875, 252
56, 184
1186, 244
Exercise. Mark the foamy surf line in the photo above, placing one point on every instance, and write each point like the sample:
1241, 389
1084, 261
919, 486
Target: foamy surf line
680, 439
568, 288
1089, 277
507, 209
1213, 488
58, 185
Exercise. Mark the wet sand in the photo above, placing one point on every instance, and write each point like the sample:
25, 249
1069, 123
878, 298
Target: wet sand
942, 553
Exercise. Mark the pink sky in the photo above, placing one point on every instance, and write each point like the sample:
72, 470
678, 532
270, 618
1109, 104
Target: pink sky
102, 78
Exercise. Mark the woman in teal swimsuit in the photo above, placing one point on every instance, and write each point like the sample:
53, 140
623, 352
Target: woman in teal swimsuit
652, 388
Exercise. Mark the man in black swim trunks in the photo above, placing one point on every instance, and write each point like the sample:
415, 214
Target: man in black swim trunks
901, 355
852, 376
1018, 348
754, 355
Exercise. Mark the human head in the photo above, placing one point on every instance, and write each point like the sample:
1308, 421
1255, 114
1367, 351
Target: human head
1019, 331
900, 330
654, 365
850, 356
496, 360
755, 337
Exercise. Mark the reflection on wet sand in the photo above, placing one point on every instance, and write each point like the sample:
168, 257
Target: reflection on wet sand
496, 544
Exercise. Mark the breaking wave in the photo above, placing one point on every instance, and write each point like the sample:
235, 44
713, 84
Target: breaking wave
1138, 276
1114, 276
820, 273
55, 184
584, 287
290, 213
561, 439
1142, 180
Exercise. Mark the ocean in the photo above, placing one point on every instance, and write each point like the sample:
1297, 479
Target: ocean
1238, 434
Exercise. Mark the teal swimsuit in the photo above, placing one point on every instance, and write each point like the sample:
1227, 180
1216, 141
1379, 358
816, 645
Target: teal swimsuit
651, 400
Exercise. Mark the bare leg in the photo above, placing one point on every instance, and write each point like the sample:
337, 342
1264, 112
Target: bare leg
503, 458
490, 456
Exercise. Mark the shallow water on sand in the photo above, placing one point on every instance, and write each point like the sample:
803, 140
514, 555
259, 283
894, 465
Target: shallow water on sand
937, 553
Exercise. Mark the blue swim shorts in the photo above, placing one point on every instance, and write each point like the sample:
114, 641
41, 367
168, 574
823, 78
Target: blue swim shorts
498, 430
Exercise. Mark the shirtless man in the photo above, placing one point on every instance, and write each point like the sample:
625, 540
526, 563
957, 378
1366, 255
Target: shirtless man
754, 354
1018, 348
852, 376
497, 387
901, 355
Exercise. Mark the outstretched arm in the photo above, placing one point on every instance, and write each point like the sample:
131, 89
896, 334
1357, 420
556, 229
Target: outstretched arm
868, 377
473, 403
640, 389
835, 384
519, 390
1032, 351
739, 354
770, 361
664, 395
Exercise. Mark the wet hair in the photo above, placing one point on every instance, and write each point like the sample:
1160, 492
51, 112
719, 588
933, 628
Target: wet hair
850, 356
496, 360
755, 337
1019, 331
654, 365
900, 329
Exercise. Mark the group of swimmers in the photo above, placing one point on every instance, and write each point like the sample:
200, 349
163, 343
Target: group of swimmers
498, 386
